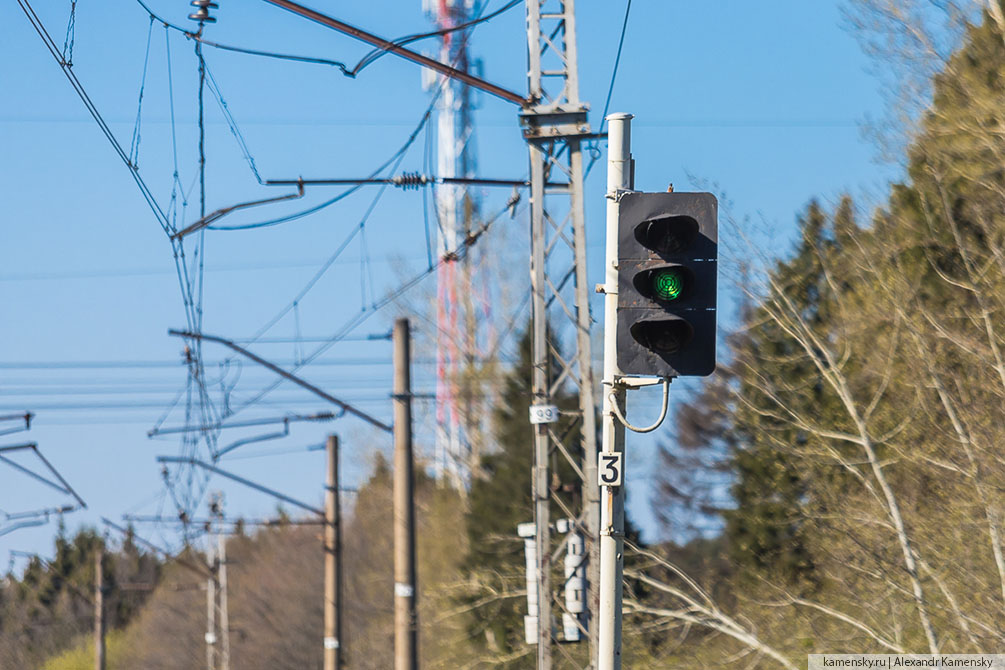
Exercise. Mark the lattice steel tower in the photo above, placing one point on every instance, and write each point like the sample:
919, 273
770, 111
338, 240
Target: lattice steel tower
555, 126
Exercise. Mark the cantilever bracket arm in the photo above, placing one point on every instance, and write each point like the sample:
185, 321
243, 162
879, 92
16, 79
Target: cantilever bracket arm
198, 568
241, 480
212, 217
25, 416
60, 484
286, 375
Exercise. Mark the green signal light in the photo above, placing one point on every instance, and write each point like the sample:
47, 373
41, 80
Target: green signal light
668, 284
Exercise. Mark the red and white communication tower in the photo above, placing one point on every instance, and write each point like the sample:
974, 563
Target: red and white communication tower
462, 299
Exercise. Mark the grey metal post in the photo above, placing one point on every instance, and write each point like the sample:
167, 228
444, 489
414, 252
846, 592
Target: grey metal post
406, 655
99, 608
333, 563
612, 520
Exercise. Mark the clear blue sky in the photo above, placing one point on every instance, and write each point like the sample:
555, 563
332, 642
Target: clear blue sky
762, 100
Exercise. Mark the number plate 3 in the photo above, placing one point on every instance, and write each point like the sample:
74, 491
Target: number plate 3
610, 469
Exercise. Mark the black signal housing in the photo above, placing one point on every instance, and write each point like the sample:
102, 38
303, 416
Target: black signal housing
667, 272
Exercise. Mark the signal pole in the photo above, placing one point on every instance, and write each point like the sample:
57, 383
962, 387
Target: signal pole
333, 563
406, 656
612, 521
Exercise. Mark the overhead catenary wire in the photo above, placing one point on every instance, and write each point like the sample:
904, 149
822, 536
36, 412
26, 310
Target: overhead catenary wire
362, 316
388, 46
595, 155
345, 69
228, 116
617, 62
396, 160
196, 305
78, 88
140, 364
134, 145
71, 34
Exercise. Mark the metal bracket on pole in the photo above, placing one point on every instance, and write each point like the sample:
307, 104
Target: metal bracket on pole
545, 123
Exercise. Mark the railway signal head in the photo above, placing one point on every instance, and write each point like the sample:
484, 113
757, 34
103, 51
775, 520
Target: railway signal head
667, 266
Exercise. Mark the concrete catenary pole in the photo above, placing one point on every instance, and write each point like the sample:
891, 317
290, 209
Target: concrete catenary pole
406, 656
221, 540
99, 608
612, 498
333, 562
211, 612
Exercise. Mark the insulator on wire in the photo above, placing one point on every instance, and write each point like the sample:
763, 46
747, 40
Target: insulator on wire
410, 180
201, 14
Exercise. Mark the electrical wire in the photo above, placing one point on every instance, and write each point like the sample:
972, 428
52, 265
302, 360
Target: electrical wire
394, 159
376, 53
347, 71
232, 123
134, 145
71, 34
617, 62
361, 317
78, 88
595, 154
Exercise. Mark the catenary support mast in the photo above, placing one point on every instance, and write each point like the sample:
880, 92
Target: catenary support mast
406, 624
333, 562
555, 126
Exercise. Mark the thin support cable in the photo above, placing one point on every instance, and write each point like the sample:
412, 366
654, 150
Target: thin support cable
347, 71
71, 34
617, 62
394, 161
214, 88
360, 317
78, 88
134, 145
595, 153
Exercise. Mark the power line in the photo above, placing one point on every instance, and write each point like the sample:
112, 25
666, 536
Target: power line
142, 272
388, 46
146, 364
232, 124
595, 153
617, 61
78, 88
357, 320
396, 159
378, 52
347, 71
